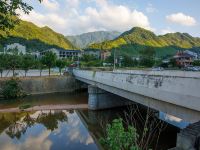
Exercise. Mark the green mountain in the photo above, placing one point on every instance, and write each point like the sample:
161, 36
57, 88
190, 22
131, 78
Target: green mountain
34, 37
86, 39
136, 39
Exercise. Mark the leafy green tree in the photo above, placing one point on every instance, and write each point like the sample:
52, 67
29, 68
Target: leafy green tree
127, 61
3, 63
27, 63
119, 138
88, 58
49, 59
39, 65
8, 12
196, 63
13, 62
147, 57
60, 64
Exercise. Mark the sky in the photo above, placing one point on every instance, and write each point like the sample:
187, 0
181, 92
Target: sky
72, 17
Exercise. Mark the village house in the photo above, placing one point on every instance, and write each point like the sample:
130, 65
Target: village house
185, 58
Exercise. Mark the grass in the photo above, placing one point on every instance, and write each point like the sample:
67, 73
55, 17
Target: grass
25, 106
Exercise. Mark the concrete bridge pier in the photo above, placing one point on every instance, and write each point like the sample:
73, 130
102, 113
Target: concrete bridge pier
100, 99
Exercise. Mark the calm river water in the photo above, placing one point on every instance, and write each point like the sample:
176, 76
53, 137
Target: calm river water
78, 129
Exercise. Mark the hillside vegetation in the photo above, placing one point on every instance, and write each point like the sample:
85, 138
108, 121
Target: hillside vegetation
137, 38
34, 37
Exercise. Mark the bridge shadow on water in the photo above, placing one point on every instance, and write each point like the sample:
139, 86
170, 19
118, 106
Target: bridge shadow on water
161, 135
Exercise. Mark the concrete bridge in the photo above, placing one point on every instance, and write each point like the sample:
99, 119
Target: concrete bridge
173, 92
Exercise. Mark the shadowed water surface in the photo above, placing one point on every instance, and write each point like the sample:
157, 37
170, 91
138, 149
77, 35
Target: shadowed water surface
78, 129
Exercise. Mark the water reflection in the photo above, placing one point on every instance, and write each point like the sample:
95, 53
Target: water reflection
44, 130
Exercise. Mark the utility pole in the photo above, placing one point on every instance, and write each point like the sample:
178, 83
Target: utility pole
114, 58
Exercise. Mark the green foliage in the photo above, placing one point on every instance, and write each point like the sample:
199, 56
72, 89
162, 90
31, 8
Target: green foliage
136, 39
147, 57
34, 37
49, 59
87, 58
25, 106
27, 63
60, 64
12, 89
173, 63
8, 12
2, 63
13, 62
196, 63
119, 138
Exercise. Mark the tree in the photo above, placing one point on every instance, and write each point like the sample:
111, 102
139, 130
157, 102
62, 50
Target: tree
60, 64
127, 61
49, 59
39, 65
13, 62
8, 12
2, 64
196, 63
27, 63
147, 57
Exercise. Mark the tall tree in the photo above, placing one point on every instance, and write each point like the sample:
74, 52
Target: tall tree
13, 62
147, 57
27, 63
9, 14
2, 63
60, 64
49, 59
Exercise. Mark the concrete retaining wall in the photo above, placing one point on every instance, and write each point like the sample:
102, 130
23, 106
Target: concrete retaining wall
42, 85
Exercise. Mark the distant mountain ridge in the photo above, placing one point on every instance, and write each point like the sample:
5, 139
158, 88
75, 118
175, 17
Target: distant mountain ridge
137, 38
86, 39
34, 37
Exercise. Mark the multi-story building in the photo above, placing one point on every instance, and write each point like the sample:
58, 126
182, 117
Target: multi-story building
185, 58
61, 53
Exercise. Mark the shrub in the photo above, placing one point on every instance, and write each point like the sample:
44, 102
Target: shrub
119, 138
12, 89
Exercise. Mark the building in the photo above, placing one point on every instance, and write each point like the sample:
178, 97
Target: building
15, 47
95, 53
105, 54
185, 58
61, 53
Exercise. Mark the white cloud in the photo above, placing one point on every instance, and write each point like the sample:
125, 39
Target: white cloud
51, 4
167, 30
32, 143
73, 3
73, 19
182, 19
150, 8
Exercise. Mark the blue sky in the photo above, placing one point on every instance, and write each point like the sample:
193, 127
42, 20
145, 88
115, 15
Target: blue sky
71, 17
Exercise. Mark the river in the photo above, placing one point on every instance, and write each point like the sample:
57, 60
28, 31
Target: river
73, 128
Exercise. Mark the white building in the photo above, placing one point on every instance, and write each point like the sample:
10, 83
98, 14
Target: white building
15, 46
61, 53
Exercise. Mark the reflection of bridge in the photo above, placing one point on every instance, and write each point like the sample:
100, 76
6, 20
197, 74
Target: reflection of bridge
176, 93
